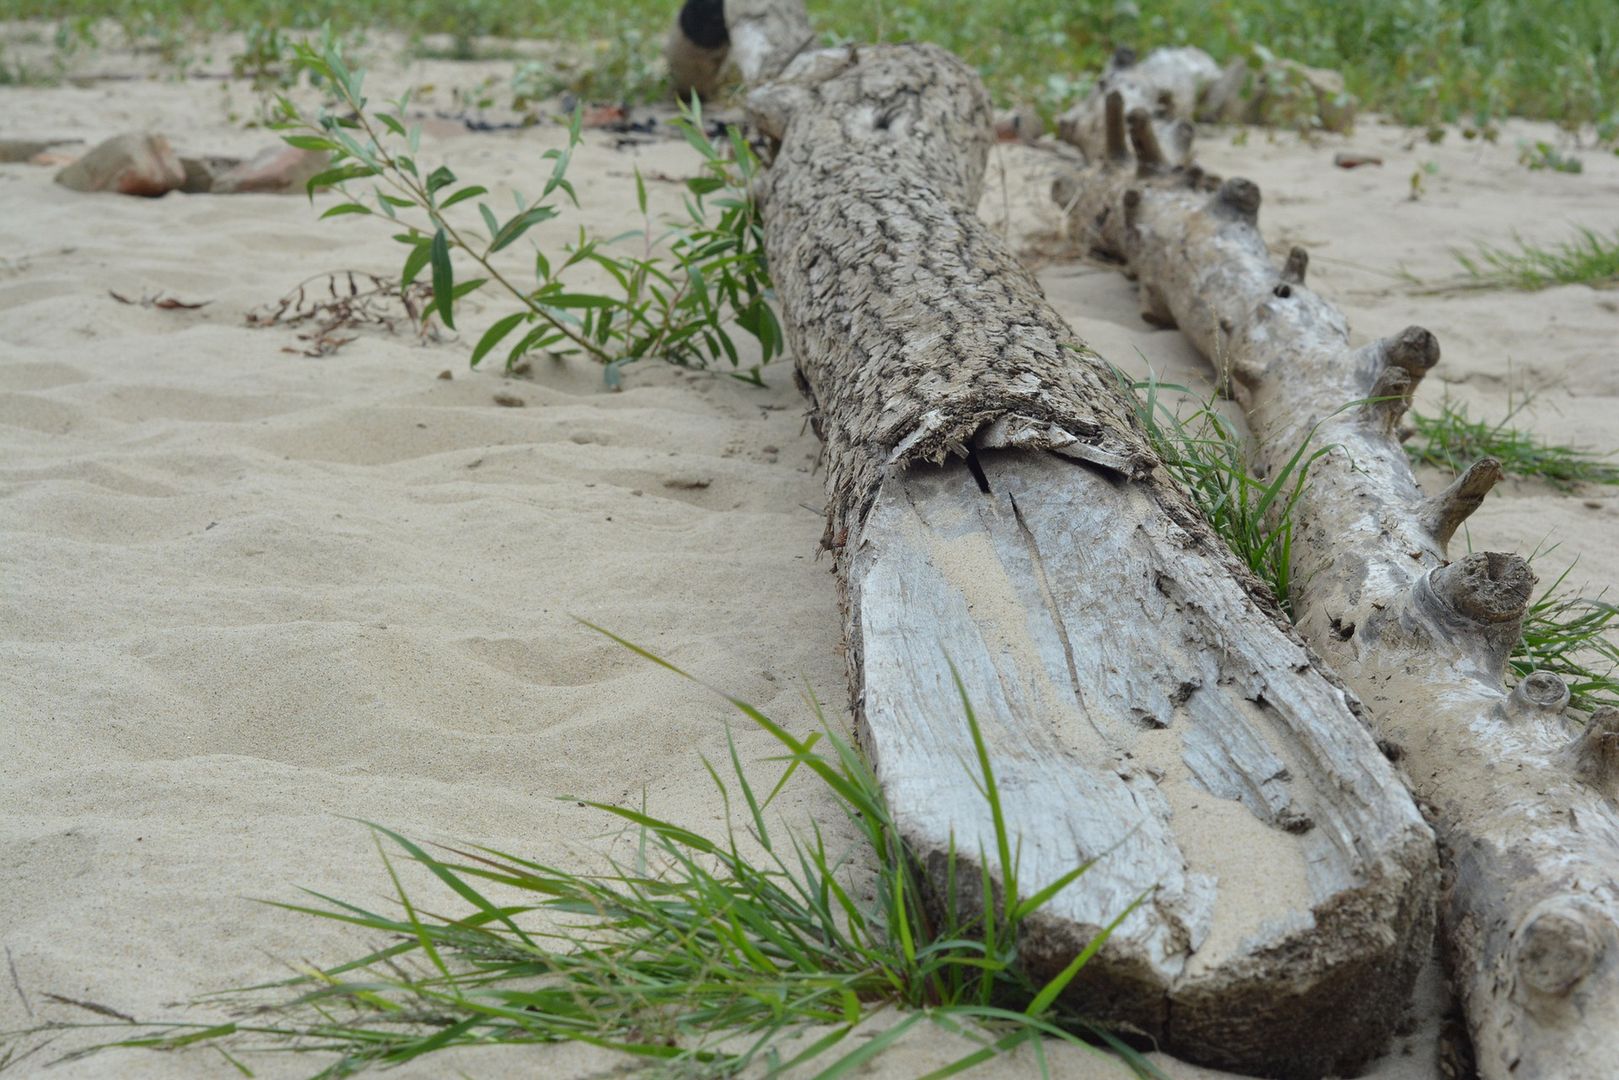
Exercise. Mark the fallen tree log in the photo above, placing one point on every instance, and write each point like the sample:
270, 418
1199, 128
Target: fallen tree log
993, 504
1522, 796
1176, 86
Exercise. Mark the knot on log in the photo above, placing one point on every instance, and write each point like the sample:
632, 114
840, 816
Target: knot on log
1556, 946
1538, 694
1443, 514
1489, 587
1113, 129
1150, 158
1240, 197
1477, 603
1414, 349
1596, 752
1398, 365
1298, 261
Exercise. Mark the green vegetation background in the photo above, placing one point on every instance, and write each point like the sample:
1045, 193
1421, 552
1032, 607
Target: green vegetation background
1422, 61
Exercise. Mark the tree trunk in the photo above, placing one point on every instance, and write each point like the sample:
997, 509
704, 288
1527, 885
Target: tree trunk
993, 504
1522, 796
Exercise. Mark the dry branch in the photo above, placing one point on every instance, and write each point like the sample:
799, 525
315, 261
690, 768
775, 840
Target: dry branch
991, 501
1521, 795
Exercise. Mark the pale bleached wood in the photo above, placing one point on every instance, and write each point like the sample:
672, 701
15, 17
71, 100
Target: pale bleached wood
1167, 83
1143, 701
1522, 797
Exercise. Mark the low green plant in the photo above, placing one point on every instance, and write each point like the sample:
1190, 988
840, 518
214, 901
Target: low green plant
1451, 439
1591, 258
1541, 155
1573, 637
679, 297
625, 66
1208, 456
699, 957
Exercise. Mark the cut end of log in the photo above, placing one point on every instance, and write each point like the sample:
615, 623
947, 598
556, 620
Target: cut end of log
1298, 261
1596, 751
1538, 694
1488, 587
1557, 947
1241, 197
1144, 140
1113, 128
1443, 514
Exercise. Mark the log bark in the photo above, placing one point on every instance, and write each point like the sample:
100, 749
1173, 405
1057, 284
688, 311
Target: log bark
1521, 794
992, 503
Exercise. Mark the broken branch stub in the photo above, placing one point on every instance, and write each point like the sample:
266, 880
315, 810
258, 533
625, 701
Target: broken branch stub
993, 505
1521, 796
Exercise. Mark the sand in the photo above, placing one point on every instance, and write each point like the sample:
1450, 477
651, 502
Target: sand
250, 595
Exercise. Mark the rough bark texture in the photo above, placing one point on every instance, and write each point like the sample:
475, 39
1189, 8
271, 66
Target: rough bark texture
991, 501
1521, 795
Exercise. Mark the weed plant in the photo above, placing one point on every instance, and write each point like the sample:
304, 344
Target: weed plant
1589, 259
1208, 456
1453, 440
699, 958
1573, 637
679, 299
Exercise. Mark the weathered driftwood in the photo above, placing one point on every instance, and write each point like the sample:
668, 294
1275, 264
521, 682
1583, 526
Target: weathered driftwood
992, 503
1523, 797
1176, 86
1168, 84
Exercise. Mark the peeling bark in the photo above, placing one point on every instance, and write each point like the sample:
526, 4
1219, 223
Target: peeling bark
992, 503
1521, 795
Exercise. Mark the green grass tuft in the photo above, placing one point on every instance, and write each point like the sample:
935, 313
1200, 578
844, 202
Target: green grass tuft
1454, 440
1208, 456
698, 957
1572, 637
1590, 259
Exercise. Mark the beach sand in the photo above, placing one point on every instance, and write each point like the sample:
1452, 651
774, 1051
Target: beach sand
248, 596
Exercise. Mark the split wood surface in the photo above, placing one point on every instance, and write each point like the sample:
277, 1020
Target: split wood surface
993, 503
1521, 793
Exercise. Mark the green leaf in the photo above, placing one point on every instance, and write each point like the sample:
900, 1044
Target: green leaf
413, 264
493, 335
465, 193
439, 179
443, 279
468, 286
520, 224
346, 208
337, 176
309, 142
580, 300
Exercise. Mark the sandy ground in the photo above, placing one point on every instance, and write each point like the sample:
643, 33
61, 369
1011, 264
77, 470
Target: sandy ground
249, 595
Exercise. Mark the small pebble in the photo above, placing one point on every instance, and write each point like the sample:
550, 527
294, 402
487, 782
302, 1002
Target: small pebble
1592, 504
445, 375
511, 401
